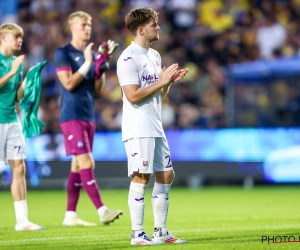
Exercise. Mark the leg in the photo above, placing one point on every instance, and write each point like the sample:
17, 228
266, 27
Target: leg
160, 205
164, 176
160, 199
74, 186
136, 201
18, 191
140, 167
136, 204
15, 155
18, 184
73, 192
86, 165
78, 139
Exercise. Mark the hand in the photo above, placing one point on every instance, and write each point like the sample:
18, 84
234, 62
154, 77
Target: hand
101, 63
16, 64
105, 50
179, 75
88, 53
112, 47
166, 74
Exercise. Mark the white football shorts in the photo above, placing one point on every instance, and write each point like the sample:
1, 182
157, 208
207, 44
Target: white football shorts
12, 142
148, 155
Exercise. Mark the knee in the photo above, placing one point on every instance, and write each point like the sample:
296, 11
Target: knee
88, 164
171, 177
18, 170
165, 177
141, 178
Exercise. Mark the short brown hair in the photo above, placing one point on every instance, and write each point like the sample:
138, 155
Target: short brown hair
140, 17
11, 28
80, 14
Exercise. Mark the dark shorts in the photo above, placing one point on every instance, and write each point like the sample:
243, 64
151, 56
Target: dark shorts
78, 136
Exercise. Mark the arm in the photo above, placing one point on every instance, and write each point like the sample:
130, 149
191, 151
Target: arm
99, 84
165, 90
14, 69
70, 80
135, 94
21, 90
175, 78
105, 50
5, 79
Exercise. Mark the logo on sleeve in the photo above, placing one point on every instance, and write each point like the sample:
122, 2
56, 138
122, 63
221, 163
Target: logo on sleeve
126, 59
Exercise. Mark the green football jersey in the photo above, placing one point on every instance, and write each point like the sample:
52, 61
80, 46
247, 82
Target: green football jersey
8, 92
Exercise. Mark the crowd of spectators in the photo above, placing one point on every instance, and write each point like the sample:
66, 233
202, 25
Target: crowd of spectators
204, 35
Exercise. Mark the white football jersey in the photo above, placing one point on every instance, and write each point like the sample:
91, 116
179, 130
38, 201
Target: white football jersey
142, 67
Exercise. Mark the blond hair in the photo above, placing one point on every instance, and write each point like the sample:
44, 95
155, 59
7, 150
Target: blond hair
78, 14
11, 28
139, 17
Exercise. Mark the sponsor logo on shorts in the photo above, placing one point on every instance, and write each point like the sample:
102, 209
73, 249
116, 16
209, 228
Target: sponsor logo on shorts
79, 144
70, 137
77, 58
145, 164
134, 154
126, 59
139, 199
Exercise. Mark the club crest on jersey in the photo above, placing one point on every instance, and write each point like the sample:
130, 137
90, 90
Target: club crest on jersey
79, 144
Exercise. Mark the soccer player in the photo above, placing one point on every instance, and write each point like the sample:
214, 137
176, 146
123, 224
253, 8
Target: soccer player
75, 65
12, 141
144, 84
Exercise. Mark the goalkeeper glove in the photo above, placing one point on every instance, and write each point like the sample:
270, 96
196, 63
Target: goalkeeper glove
104, 52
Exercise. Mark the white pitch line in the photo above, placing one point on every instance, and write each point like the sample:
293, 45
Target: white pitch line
5, 242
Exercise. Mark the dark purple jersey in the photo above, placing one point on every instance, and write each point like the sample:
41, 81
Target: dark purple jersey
77, 104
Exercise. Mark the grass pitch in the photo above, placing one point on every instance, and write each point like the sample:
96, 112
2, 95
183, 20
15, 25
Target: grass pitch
210, 218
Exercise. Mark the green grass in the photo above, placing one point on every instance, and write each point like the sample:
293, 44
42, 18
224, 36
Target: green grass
210, 218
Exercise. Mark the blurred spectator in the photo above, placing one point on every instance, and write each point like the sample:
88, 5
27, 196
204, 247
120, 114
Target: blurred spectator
270, 36
206, 36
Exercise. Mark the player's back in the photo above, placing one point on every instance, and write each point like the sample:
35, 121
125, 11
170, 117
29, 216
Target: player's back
77, 104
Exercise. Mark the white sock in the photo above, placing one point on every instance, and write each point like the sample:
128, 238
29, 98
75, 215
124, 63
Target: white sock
160, 204
136, 204
101, 211
21, 211
70, 215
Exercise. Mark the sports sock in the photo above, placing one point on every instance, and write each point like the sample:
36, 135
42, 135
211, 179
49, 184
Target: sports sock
70, 215
101, 211
21, 211
160, 205
136, 204
73, 190
90, 186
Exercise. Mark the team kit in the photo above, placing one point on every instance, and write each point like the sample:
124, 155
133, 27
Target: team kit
81, 74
